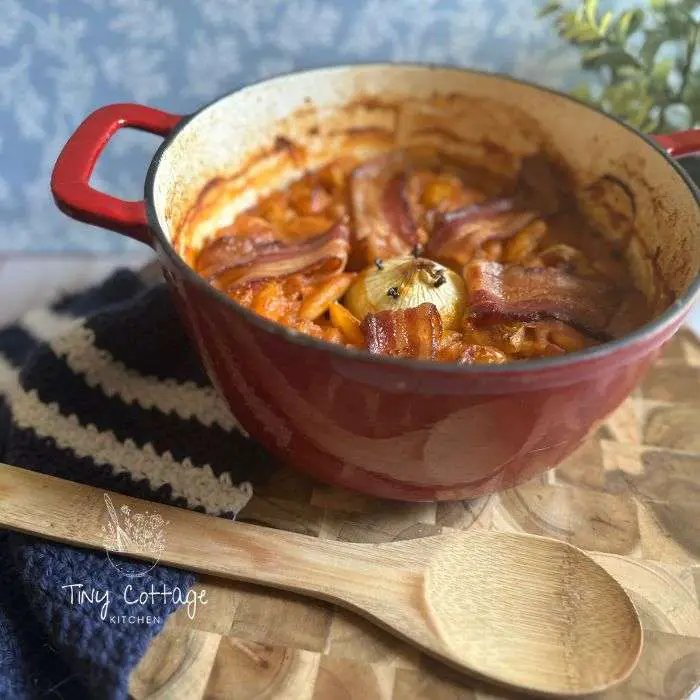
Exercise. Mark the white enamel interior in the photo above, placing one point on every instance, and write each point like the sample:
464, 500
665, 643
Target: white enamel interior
316, 109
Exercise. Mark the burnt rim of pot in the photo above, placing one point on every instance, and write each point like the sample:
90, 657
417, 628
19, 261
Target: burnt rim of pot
638, 336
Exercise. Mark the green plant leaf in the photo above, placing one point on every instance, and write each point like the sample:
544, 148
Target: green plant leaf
549, 8
580, 33
628, 23
565, 20
676, 22
613, 57
691, 95
662, 69
625, 99
640, 115
651, 125
653, 40
591, 10
570, 33
690, 5
637, 21
628, 72
583, 36
605, 21
641, 63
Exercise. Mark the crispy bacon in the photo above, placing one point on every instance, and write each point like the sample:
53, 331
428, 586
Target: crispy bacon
530, 293
415, 332
397, 209
216, 257
327, 253
384, 223
458, 234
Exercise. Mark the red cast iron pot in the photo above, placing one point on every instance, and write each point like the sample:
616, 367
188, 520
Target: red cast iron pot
396, 428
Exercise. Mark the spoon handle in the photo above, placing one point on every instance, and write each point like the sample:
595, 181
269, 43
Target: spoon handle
75, 514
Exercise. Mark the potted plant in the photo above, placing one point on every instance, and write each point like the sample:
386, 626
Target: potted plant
642, 61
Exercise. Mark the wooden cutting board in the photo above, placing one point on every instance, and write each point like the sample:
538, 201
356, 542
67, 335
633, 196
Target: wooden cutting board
630, 496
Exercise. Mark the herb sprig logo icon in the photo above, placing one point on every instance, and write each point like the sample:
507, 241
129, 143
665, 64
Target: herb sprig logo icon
135, 533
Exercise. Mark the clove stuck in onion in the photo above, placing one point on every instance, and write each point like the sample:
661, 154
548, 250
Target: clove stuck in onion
406, 282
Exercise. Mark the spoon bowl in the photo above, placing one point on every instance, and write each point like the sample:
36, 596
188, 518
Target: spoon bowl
532, 612
527, 612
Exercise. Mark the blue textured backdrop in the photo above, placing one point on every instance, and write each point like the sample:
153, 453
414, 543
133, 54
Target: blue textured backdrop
60, 60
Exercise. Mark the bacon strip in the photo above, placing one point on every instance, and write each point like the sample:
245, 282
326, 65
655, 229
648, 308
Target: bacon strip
218, 256
327, 253
412, 332
397, 209
458, 234
530, 293
384, 225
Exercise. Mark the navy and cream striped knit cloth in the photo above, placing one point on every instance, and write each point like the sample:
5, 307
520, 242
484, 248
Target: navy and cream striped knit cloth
103, 388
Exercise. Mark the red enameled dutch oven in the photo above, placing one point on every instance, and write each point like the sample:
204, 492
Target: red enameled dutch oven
396, 428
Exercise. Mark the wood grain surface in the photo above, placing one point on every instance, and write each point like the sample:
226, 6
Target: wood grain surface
630, 496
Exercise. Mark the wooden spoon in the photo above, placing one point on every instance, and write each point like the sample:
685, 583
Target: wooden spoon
528, 612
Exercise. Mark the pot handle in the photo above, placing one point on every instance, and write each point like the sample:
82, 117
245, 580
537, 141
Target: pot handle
70, 180
682, 143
